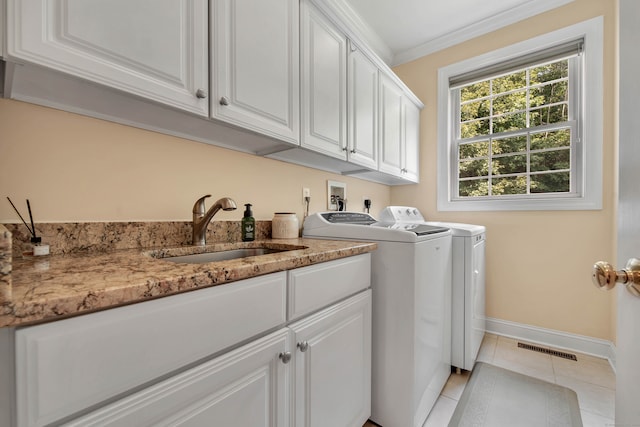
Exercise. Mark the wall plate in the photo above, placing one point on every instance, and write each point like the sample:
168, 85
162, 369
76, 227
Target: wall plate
336, 196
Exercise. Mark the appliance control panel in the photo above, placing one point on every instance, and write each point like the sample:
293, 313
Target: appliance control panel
348, 218
401, 214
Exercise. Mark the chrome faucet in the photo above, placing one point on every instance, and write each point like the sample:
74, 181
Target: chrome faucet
201, 219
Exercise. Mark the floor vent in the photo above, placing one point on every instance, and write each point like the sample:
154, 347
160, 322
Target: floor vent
556, 353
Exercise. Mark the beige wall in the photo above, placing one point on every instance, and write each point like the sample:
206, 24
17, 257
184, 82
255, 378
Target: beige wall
538, 263
76, 168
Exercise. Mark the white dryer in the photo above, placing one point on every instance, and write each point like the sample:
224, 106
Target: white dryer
468, 322
411, 288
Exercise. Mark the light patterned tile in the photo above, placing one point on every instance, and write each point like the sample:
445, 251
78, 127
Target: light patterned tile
593, 420
455, 385
592, 398
509, 356
590, 377
487, 349
441, 413
542, 372
587, 369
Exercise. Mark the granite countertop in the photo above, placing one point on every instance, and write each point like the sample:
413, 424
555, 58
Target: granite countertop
56, 286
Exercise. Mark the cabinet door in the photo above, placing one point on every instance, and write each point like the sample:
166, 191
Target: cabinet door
391, 126
58, 364
255, 65
247, 387
2, 29
324, 78
156, 49
411, 141
333, 365
363, 109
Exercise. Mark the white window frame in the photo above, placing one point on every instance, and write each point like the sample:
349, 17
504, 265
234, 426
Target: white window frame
589, 149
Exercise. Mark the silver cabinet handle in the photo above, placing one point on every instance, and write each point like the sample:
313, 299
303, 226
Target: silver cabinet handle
403, 170
303, 346
605, 276
201, 94
353, 151
285, 356
224, 101
345, 148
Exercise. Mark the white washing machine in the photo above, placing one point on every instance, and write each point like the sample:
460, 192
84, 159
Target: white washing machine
468, 322
411, 288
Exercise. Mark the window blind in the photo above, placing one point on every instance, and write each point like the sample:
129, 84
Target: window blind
563, 50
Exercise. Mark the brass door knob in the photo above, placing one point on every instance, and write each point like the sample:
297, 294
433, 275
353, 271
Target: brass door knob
605, 276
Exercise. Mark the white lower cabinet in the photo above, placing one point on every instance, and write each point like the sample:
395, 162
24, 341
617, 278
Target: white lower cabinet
247, 387
333, 365
228, 355
325, 377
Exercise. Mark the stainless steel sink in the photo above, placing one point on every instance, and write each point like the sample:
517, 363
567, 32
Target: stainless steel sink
219, 252
221, 255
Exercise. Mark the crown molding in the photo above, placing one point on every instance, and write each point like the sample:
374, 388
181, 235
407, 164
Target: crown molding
357, 29
478, 29
361, 31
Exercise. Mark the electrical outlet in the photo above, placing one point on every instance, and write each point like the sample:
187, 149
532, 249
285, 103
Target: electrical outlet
366, 199
306, 192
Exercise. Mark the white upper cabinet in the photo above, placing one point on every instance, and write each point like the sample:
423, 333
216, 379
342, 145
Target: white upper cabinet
390, 126
156, 49
255, 66
323, 87
411, 140
2, 29
399, 132
363, 109
283, 70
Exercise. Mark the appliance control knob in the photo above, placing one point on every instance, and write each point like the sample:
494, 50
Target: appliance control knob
415, 212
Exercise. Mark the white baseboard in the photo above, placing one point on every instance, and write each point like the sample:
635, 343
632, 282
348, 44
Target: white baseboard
556, 339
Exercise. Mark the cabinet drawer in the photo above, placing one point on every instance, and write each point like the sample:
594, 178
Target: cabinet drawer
314, 287
68, 365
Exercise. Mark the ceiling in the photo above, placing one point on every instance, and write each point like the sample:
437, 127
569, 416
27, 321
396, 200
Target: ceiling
402, 30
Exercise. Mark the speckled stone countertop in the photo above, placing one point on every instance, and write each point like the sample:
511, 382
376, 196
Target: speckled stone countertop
5, 262
56, 286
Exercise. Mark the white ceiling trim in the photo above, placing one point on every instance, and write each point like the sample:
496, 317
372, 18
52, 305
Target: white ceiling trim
480, 28
345, 13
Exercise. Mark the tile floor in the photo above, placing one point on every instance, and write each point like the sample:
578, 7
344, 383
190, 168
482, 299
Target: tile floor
590, 377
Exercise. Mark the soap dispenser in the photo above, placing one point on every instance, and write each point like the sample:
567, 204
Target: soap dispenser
248, 225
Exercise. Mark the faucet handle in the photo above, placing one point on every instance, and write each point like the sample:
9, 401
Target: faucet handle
198, 207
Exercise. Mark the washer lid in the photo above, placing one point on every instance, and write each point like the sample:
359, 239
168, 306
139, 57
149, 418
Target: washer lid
361, 226
419, 229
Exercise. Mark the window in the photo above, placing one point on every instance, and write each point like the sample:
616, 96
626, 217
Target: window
520, 128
